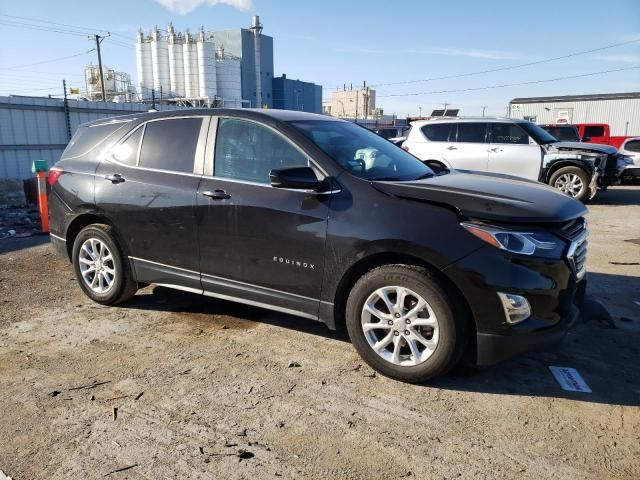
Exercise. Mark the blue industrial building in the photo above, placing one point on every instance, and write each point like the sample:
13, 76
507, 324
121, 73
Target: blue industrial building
296, 95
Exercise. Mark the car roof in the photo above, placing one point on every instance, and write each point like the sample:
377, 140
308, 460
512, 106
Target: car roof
432, 121
251, 113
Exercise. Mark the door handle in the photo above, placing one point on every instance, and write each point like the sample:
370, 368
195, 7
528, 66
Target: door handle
115, 178
216, 194
494, 149
452, 148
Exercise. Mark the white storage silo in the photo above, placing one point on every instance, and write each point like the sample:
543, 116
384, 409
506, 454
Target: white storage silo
229, 80
144, 65
160, 63
190, 59
206, 66
176, 62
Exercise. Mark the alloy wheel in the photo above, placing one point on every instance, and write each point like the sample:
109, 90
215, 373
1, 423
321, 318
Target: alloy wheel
96, 265
400, 326
571, 184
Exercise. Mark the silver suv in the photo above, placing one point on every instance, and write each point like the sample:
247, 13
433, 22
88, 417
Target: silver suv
515, 147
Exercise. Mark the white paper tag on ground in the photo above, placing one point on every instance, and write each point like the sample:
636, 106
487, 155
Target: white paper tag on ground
569, 379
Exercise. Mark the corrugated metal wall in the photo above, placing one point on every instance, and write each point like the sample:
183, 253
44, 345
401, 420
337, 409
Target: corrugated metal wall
615, 112
35, 128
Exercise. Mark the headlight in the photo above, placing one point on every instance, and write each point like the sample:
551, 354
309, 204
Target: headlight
543, 244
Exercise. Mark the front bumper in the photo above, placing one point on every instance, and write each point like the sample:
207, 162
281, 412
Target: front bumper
631, 172
551, 287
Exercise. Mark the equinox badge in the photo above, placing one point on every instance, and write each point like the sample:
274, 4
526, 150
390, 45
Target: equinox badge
295, 263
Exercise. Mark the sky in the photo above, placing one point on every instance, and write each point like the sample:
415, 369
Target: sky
333, 43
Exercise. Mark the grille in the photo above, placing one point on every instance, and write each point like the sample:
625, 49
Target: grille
576, 232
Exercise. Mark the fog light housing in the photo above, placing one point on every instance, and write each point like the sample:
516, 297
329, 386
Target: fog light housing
516, 307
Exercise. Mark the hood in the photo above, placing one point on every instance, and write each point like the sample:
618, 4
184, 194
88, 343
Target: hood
585, 147
501, 198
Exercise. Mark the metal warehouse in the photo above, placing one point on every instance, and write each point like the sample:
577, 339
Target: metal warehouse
620, 110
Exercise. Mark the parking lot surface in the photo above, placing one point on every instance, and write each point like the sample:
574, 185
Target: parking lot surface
174, 385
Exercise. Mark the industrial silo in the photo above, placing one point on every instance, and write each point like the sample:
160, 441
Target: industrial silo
160, 62
144, 65
206, 65
190, 59
176, 62
229, 80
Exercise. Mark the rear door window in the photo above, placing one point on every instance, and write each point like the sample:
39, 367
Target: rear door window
170, 144
594, 131
472, 132
439, 132
508, 133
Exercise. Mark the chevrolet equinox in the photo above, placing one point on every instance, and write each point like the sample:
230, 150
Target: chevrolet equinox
321, 218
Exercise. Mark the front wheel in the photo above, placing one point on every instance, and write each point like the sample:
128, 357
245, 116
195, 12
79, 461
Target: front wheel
402, 323
572, 181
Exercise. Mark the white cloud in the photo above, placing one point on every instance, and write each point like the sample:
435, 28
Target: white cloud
459, 52
185, 6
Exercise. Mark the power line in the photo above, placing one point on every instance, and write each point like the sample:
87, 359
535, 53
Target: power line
511, 67
532, 82
47, 61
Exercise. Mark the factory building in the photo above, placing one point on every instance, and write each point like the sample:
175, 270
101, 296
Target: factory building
620, 110
350, 103
291, 94
231, 68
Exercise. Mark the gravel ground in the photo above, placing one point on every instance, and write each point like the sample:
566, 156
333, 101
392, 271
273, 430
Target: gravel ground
210, 389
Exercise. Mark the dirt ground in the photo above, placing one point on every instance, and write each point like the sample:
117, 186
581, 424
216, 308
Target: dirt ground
210, 389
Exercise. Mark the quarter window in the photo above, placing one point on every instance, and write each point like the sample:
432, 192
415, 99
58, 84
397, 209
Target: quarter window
170, 144
633, 146
439, 132
127, 151
594, 131
508, 133
472, 132
249, 151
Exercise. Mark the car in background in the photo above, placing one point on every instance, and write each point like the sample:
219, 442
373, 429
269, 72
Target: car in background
323, 219
599, 133
515, 147
563, 132
630, 148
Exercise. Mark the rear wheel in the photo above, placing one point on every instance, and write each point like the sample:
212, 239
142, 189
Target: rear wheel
573, 181
100, 267
402, 323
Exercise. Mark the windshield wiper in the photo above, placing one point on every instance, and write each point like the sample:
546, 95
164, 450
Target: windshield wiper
383, 179
426, 175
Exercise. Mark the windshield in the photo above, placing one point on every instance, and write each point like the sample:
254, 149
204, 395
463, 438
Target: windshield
362, 152
563, 133
538, 133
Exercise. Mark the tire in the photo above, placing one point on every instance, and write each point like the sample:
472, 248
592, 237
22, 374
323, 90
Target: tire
115, 283
562, 180
447, 335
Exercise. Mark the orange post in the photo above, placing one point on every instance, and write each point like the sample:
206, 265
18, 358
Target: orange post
43, 201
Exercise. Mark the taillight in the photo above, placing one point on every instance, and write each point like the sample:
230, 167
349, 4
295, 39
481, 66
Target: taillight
405, 148
54, 173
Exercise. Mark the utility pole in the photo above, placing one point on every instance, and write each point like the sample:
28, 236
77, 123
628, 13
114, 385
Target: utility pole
66, 109
420, 110
153, 99
98, 39
160, 97
483, 109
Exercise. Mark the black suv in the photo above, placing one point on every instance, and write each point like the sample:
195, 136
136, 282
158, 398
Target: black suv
321, 218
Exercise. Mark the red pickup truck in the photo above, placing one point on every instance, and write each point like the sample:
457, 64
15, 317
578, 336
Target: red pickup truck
599, 133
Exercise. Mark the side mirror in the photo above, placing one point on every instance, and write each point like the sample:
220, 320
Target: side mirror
299, 178
586, 139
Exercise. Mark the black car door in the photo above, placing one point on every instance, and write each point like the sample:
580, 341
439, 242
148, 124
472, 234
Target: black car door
259, 244
147, 187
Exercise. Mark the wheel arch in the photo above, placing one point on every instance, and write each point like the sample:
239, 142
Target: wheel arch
378, 259
84, 220
558, 164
